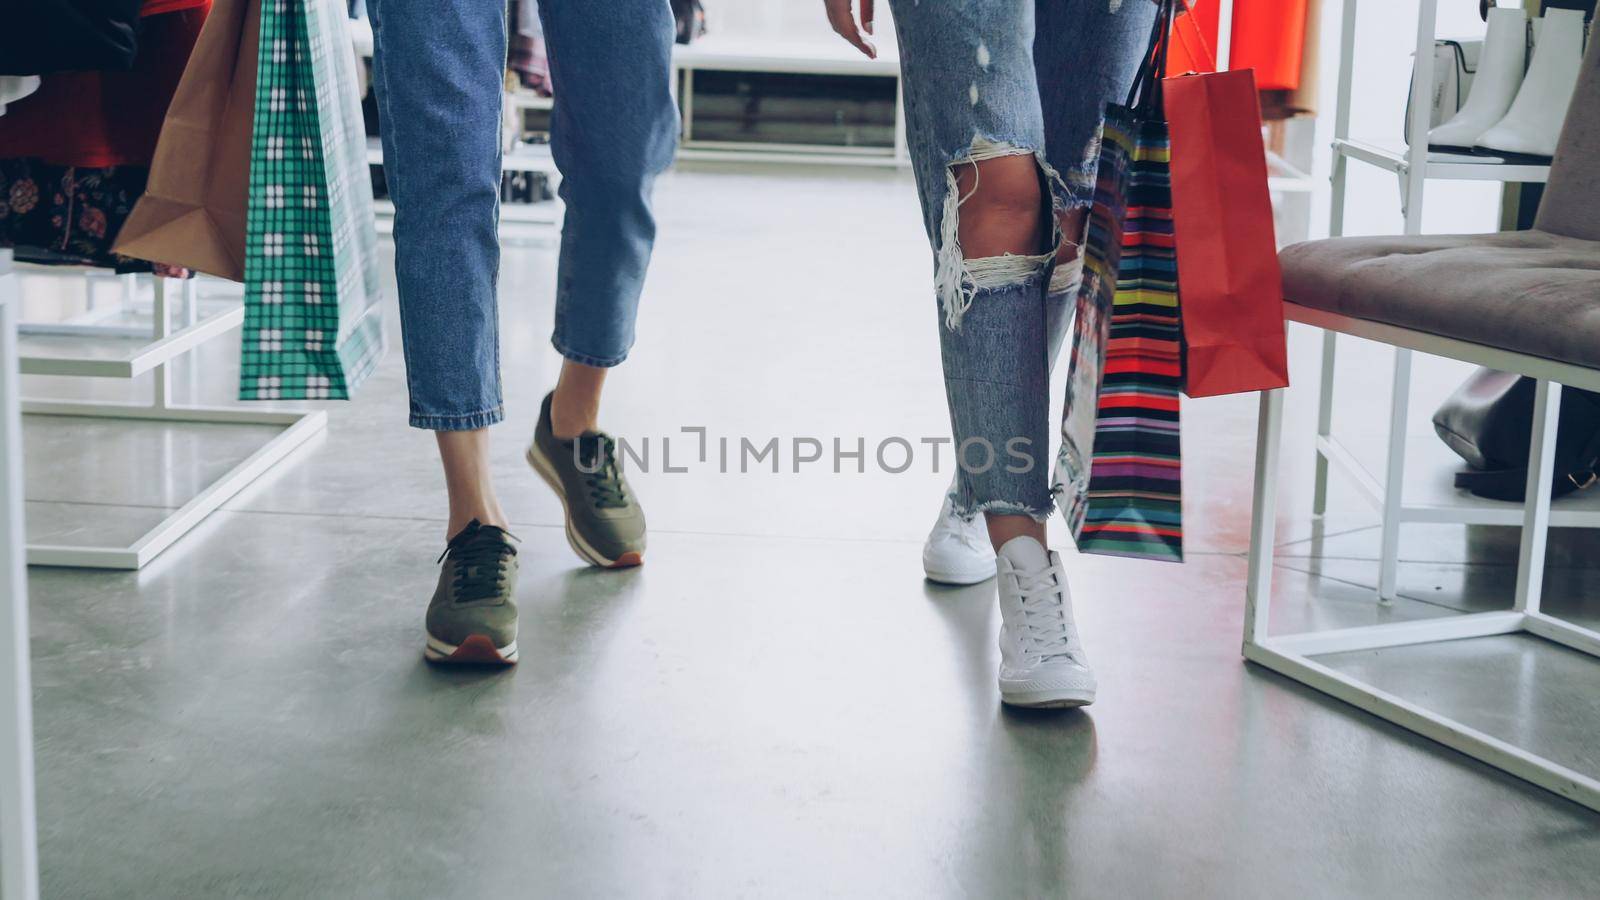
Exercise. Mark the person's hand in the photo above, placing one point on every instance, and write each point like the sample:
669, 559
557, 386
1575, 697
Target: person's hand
844, 24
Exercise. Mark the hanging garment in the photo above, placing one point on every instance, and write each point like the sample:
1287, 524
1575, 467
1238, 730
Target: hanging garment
1268, 36
44, 36
691, 19
74, 155
68, 215
525, 53
104, 119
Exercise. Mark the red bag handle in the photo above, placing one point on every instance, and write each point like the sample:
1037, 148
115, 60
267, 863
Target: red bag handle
1207, 55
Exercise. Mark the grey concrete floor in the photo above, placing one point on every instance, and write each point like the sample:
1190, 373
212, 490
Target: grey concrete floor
776, 704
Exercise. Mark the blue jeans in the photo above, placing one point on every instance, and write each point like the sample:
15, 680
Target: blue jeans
989, 78
438, 72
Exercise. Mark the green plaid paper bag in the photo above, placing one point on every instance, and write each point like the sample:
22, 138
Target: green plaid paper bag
312, 328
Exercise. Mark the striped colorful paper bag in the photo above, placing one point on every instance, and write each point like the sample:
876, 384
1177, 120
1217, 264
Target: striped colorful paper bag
1119, 463
312, 328
1118, 469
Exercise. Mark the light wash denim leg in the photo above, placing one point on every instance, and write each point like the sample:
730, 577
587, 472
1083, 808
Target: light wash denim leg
615, 129
438, 70
989, 78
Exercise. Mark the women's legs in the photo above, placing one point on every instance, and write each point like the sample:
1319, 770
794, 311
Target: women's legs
1085, 55
977, 142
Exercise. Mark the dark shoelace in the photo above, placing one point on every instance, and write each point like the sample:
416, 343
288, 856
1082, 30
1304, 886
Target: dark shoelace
597, 460
480, 553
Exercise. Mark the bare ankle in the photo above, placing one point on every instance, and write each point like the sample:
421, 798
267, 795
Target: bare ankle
1003, 528
567, 424
460, 520
575, 403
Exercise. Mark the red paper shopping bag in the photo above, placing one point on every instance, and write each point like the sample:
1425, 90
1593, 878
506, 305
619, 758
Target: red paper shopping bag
1222, 222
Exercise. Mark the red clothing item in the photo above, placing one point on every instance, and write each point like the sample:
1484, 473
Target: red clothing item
107, 118
1268, 36
157, 7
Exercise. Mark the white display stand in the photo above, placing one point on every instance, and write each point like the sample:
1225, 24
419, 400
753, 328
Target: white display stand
1413, 166
19, 854
1294, 655
155, 358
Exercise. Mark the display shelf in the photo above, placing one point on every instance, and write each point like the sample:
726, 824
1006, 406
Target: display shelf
1441, 165
791, 57
1432, 497
120, 357
92, 356
806, 57
514, 217
524, 158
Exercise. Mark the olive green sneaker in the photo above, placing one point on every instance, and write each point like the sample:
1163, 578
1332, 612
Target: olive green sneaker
605, 525
472, 618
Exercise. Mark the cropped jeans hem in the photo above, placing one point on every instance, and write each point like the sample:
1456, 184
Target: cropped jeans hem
584, 359
1004, 508
469, 422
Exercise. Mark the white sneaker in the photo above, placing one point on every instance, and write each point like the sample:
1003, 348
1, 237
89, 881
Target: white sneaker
1041, 658
957, 552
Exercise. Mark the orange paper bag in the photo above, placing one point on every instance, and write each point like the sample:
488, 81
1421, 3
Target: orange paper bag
193, 209
1231, 287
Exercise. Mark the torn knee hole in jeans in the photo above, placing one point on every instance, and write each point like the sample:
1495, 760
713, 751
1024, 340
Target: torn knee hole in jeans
957, 278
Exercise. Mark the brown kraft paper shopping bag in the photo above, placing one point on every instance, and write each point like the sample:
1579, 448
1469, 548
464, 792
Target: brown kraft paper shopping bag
192, 213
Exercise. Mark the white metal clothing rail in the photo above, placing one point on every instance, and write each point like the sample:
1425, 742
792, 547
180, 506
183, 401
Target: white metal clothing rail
1293, 655
19, 855
1414, 167
155, 358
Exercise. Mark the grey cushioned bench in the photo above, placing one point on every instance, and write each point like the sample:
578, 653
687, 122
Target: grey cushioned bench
1526, 302
1535, 292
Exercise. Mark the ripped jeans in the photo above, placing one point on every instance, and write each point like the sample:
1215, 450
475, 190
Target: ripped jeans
989, 78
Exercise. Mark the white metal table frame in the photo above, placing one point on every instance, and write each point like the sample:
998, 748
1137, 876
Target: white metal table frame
1413, 168
155, 358
19, 853
1293, 655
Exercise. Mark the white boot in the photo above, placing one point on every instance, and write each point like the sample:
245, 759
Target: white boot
1500, 68
1534, 123
957, 552
1041, 657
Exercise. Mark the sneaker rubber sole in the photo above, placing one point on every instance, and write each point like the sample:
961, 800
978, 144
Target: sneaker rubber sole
547, 471
1047, 699
960, 579
477, 649
1049, 691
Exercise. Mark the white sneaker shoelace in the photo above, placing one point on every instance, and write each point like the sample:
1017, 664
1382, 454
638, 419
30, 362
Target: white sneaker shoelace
1048, 633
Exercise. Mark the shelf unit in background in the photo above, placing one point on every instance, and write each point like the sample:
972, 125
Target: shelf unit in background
515, 218
1414, 166
808, 57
